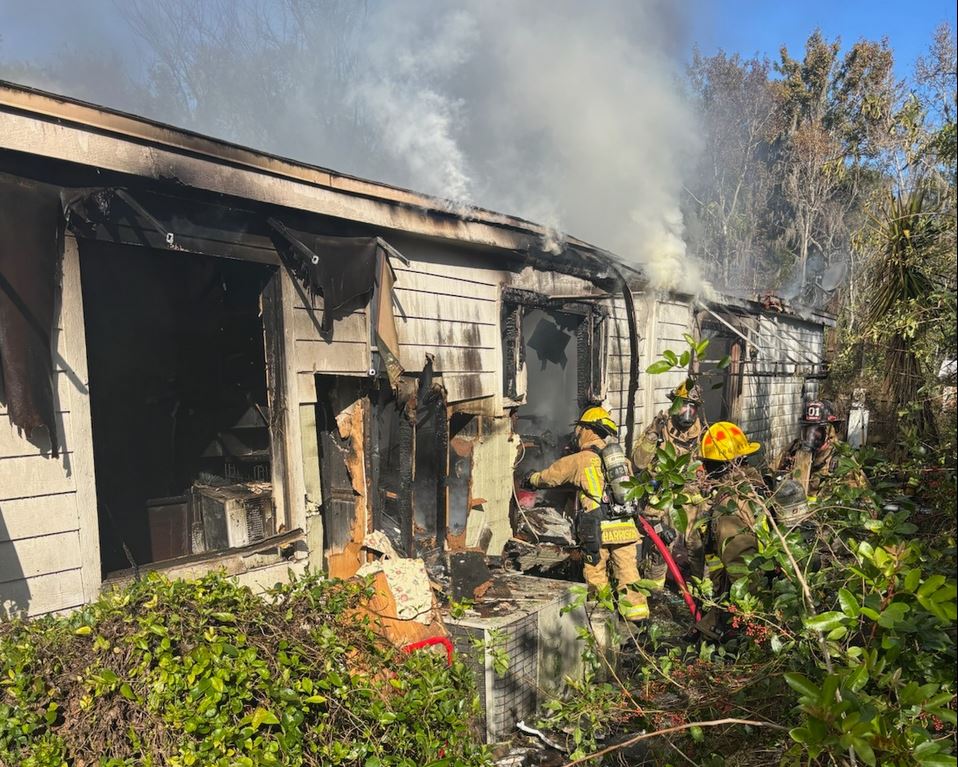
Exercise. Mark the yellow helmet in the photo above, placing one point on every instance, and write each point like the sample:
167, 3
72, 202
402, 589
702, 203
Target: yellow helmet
724, 441
598, 416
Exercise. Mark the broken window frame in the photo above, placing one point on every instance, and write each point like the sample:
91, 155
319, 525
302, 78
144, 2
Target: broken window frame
591, 343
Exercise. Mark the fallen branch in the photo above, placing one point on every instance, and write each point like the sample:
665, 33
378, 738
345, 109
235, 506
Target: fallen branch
668, 731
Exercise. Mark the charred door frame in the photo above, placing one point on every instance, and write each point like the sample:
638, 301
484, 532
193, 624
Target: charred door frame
591, 338
278, 385
426, 402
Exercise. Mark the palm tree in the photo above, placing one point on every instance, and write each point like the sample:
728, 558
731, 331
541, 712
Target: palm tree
906, 237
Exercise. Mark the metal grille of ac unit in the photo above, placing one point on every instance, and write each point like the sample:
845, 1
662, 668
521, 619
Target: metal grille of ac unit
538, 640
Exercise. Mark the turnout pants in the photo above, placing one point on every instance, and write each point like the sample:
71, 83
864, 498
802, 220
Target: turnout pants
623, 558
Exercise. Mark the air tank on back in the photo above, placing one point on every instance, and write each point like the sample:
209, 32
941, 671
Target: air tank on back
617, 470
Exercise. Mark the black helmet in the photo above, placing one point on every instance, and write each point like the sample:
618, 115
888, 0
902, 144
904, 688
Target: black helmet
819, 412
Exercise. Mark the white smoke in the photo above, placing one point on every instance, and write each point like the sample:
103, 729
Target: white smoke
568, 114
404, 92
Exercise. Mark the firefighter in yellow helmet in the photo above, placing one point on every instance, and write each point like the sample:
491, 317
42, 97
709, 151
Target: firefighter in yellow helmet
736, 487
603, 540
682, 429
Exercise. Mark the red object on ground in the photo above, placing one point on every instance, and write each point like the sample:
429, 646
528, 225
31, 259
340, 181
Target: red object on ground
431, 641
673, 568
526, 498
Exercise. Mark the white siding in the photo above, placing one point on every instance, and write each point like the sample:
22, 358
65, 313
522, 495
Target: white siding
673, 320
49, 555
446, 310
771, 400
661, 324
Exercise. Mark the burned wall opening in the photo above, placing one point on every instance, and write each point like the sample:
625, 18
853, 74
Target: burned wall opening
550, 345
552, 375
721, 372
179, 404
409, 445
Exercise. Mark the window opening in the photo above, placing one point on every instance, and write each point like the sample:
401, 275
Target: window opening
179, 406
721, 388
554, 360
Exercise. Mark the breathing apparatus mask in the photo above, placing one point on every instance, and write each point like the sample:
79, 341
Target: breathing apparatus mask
685, 417
814, 436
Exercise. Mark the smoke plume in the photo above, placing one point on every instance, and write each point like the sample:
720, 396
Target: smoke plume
568, 114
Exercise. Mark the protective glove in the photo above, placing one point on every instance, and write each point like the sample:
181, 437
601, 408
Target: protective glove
665, 531
526, 481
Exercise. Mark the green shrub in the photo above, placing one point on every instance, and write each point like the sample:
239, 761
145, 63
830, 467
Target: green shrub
205, 673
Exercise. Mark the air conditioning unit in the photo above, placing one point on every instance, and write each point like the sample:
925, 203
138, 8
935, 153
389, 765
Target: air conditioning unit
233, 515
534, 627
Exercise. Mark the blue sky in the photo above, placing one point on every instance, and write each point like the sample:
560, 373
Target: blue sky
753, 26
31, 28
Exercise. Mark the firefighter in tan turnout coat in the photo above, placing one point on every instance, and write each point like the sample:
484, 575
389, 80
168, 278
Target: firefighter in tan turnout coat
603, 541
683, 430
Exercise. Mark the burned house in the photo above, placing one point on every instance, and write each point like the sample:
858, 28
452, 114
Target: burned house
217, 358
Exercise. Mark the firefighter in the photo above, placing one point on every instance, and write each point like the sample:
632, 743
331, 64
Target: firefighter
603, 540
682, 430
817, 446
736, 489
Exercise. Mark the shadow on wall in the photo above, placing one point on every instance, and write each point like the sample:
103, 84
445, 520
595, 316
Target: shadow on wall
14, 591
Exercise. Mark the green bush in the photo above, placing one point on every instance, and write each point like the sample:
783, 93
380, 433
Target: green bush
205, 673
871, 644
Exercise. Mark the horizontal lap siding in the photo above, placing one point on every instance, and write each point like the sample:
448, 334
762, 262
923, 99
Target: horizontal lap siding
52, 593
39, 555
40, 541
452, 313
617, 369
771, 401
448, 312
672, 320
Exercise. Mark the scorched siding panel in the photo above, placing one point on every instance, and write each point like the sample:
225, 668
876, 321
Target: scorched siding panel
450, 311
43, 555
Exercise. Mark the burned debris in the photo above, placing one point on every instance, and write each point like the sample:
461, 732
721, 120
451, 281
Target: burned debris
30, 236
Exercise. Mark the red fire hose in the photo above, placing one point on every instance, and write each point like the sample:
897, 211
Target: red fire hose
673, 568
444, 641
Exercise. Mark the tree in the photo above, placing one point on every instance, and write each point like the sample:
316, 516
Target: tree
832, 111
730, 191
909, 244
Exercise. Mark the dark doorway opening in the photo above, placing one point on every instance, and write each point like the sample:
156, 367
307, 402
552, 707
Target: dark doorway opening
721, 386
179, 404
552, 372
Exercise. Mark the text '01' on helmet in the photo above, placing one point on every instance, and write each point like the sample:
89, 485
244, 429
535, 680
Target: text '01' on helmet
599, 420
820, 412
724, 441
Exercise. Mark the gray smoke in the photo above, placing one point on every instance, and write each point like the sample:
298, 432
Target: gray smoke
569, 114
